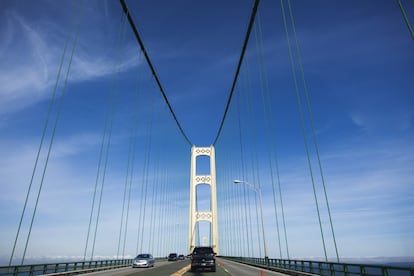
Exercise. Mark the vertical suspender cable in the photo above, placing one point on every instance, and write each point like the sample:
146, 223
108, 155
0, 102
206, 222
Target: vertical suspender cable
252, 136
104, 136
237, 213
255, 165
132, 166
141, 201
146, 172
230, 212
53, 131
407, 21
130, 187
112, 111
312, 125
270, 132
125, 192
161, 203
131, 163
257, 182
124, 200
261, 73
224, 199
243, 176
52, 100
154, 193
303, 126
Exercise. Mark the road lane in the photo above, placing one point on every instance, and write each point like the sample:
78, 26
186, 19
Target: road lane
238, 269
162, 268
219, 272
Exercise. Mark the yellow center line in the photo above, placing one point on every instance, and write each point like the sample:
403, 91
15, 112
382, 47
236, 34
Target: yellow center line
181, 271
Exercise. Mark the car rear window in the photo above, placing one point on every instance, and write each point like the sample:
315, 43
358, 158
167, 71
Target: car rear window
203, 250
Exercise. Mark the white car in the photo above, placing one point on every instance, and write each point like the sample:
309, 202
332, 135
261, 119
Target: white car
143, 260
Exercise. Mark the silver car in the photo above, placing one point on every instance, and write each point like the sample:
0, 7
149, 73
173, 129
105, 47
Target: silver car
143, 260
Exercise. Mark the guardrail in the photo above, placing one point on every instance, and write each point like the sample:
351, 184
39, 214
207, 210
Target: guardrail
303, 267
63, 268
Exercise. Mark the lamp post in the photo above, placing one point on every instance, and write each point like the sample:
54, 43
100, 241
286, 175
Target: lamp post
258, 191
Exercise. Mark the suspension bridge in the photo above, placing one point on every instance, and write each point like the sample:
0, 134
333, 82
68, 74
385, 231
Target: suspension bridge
115, 171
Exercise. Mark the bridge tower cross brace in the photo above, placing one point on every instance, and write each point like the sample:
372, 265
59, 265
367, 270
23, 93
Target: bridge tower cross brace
208, 179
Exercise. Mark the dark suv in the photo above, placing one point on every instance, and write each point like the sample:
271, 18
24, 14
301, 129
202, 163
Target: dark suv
172, 257
203, 258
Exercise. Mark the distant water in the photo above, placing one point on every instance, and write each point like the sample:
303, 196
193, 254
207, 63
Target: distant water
50, 260
403, 264
386, 261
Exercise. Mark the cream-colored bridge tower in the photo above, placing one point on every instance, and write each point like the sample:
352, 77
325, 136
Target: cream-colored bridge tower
208, 179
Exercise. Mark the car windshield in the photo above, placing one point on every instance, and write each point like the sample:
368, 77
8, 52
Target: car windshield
143, 256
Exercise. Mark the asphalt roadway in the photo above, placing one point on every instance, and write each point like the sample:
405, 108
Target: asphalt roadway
180, 268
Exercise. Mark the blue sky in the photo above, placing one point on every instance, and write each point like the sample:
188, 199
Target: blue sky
358, 63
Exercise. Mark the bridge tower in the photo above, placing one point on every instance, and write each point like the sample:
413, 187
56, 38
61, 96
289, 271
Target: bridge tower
208, 179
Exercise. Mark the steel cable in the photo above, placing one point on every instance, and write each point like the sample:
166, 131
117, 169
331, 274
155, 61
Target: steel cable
134, 151
53, 131
104, 136
250, 127
299, 56
51, 103
128, 181
236, 75
407, 21
151, 66
270, 133
303, 125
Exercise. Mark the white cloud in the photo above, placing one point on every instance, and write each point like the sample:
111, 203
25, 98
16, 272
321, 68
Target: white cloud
358, 119
15, 171
30, 56
87, 67
380, 118
76, 144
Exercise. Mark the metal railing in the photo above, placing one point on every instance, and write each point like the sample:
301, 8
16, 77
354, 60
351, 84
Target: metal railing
307, 267
63, 268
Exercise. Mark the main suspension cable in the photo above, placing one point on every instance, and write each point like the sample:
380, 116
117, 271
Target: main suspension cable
154, 73
246, 40
407, 21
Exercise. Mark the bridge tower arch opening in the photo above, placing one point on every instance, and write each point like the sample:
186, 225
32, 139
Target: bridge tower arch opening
207, 178
203, 233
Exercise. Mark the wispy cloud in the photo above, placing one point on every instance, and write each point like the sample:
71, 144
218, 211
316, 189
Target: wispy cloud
22, 158
27, 80
400, 120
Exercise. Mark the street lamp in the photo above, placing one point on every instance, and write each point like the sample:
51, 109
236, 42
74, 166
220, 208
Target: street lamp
258, 191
